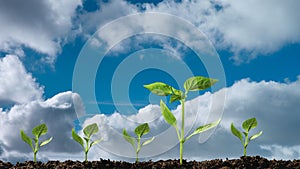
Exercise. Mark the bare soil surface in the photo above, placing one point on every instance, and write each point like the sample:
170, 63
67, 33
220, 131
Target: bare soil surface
242, 163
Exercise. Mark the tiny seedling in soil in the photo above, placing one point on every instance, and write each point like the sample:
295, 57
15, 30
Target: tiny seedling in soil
247, 126
139, 131
88, 132
195, 83
37, 132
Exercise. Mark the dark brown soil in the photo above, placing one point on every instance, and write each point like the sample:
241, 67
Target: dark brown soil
242, 163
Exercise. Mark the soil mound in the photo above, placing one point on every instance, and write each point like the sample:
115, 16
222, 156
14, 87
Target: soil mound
242, 163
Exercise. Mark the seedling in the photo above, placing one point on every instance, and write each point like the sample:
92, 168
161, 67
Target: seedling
37, 132
88, 132
247, 126
195, 83
139, 131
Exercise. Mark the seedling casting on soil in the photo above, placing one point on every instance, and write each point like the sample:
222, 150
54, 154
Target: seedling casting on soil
195, 83
247, 126
139, 131
88, 132
37, 132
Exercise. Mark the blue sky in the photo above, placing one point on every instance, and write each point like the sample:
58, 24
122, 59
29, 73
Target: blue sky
51, 72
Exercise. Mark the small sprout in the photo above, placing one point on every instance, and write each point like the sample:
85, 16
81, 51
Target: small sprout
192, 84
247, 126
37, 132
139, 131
88, 132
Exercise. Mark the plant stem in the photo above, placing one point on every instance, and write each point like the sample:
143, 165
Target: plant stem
34, 156
182, 131
85, 156
86, 150
137, 157
246, 143
138, 149
36, 148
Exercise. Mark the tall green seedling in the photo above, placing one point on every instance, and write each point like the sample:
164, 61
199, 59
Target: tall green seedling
37, 132
88, 132
136, 142
195, 83
247, 126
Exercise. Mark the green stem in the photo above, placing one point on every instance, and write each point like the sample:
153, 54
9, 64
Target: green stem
138, 149
246, 144
181, 152
36, 148
86, 151
137, 157
85, 156
182, 131
34, 156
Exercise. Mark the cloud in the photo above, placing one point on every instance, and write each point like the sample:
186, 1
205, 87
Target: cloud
57, 113
274, 105
230, 25
284, 152
234, 26
17, 85
38, 25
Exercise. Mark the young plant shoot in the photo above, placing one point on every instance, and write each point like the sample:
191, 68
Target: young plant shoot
195, 83
247, 126
88, 132
139, 131
37, 132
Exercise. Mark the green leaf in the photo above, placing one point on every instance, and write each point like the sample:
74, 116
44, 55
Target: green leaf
177, 95
159, 88
198, 83
249, 124
204, 128
39, 130
90, 130
148, 141
128, 138
26, 139
96, 142
256, 135
46, 142
142, 129
236, 132
169, 117
77, 138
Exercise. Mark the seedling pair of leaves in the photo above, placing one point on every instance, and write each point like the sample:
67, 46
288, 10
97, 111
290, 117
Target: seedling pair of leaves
195, 83
37, 132
136, 142
247, 126
88, 132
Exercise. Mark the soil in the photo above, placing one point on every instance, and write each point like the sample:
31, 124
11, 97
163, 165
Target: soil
242, 163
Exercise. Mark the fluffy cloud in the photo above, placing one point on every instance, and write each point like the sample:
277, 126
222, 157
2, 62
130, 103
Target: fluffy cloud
16, 85
39, 25
57, 112
24, 108
231, 25
273, 104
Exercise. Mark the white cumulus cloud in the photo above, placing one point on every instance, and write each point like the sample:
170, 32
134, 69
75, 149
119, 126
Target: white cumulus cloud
39, 25
231, 24
16, 84
274, 105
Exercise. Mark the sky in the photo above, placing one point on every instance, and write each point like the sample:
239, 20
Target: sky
75, 62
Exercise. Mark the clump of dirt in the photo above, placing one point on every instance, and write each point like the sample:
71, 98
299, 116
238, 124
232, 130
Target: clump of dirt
242, 163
